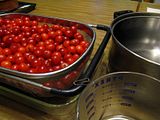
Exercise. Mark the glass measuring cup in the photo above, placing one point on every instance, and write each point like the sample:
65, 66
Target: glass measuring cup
120, 96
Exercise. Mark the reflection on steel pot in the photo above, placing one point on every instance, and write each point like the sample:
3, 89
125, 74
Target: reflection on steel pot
136, 44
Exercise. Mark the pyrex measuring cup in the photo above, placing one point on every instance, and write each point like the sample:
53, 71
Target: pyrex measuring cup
120, 96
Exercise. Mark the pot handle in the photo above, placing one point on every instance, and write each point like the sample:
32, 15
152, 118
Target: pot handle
25, 7
75, 90
119, 13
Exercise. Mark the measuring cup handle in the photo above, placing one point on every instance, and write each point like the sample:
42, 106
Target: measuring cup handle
75, 90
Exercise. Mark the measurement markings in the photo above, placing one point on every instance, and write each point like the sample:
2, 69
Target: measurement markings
134, 84
91, 116
102, 82
88, 97
129, 91
128, 98
90, 109
89, 103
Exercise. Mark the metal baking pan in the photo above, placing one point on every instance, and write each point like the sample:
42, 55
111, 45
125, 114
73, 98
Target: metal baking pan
50, 106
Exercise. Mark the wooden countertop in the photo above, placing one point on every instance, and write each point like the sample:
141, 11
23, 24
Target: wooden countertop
144, 5
86, 11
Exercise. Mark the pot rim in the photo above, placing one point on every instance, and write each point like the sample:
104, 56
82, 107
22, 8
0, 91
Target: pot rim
130, 16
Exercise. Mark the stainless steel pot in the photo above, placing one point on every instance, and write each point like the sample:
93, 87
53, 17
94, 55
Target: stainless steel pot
136, 44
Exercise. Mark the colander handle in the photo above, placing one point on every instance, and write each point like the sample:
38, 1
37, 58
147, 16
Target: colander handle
75, 90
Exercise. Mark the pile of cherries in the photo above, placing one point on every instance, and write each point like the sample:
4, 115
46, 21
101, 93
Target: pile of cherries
30, 46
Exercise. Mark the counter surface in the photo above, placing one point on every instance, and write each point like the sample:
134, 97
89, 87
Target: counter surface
86, 11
